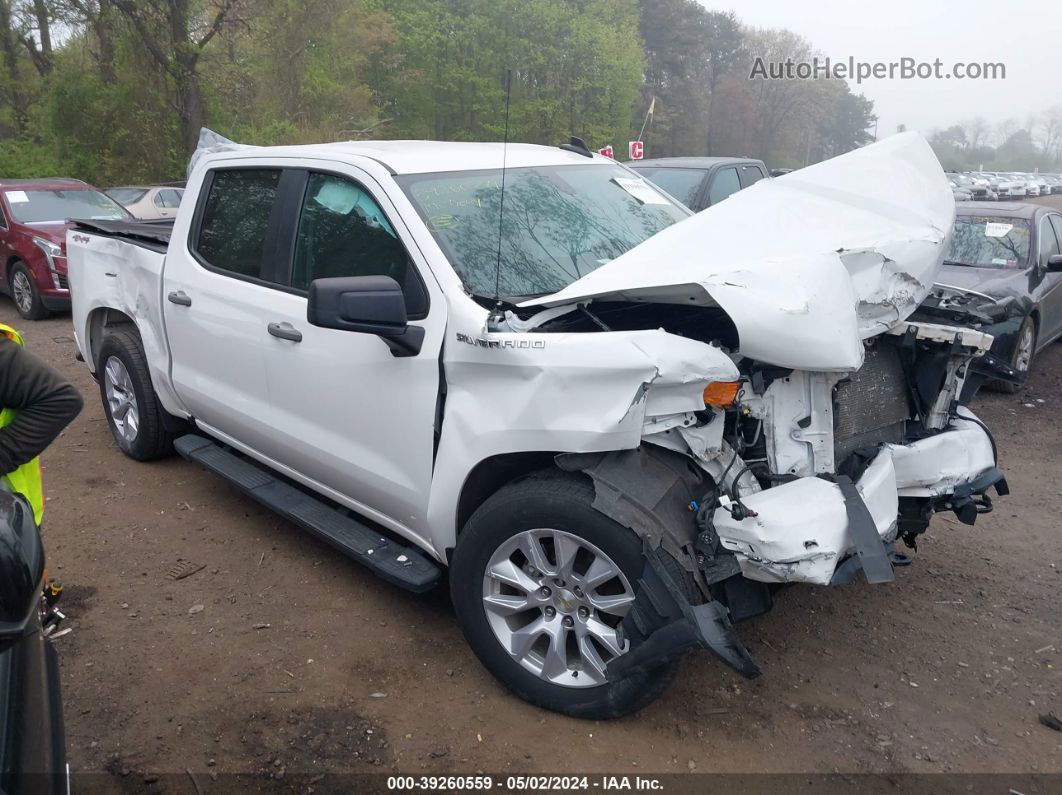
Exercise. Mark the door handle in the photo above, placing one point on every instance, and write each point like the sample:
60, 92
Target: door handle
285, 331
180, 298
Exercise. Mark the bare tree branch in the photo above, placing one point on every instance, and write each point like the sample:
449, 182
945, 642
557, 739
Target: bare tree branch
358, 133
152, 44
41, 62
219, 20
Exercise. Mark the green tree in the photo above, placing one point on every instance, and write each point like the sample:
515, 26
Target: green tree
175, 33
577, 68
301, 73
846, 124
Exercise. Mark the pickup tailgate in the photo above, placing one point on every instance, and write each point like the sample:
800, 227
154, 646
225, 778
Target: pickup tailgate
115, 273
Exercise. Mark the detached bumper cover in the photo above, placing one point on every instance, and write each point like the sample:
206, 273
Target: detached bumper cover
805, 529
662, 625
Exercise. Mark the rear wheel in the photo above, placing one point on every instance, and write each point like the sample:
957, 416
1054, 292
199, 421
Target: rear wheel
25, 294
541, 581
129, 400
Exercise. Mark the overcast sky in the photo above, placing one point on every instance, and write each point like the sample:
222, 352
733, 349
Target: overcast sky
1026, 35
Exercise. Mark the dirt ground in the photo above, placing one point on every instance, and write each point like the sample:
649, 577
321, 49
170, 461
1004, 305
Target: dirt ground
278, 657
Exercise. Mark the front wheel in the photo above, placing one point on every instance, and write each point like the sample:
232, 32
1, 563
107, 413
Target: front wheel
1022, 357
541, 581
25, 294
129, 400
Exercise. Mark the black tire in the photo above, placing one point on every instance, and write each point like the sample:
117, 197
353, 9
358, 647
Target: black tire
561, 501
1028, 326
151, 439
36, 310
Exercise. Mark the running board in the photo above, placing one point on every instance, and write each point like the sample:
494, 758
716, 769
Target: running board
395, 562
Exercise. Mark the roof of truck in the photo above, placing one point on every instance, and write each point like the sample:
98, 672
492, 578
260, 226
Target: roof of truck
424, 157
691, 162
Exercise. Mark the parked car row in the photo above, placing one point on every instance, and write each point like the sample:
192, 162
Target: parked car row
34, 216
999, 186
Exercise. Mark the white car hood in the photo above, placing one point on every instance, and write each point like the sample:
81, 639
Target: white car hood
806, 265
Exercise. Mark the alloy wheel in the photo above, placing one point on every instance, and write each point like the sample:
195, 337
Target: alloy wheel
22, 292
555, 602
121, 399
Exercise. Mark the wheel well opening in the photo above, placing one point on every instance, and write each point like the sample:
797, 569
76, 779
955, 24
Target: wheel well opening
7, 267
491, 474
100, 321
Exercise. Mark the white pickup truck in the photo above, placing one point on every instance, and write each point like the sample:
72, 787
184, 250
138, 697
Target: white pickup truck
619, 426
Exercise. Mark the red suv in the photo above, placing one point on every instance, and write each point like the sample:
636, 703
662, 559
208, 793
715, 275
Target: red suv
33, 224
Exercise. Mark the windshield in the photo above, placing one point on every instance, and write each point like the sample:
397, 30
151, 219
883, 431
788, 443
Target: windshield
989, 242
43, 206
682, 183
559, 222
126, 195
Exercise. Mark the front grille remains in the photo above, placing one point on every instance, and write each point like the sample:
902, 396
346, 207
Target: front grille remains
870, 407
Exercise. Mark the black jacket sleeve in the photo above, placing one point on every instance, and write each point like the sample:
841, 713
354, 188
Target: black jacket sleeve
46, 404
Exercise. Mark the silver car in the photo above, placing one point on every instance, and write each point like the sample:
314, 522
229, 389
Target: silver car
148, 202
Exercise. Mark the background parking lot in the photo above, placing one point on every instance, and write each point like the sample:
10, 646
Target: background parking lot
277, 657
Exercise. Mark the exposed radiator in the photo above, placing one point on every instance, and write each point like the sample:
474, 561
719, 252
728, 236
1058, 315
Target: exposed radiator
870, 407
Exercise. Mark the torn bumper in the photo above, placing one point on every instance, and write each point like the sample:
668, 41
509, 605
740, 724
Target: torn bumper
662, 625
805, 529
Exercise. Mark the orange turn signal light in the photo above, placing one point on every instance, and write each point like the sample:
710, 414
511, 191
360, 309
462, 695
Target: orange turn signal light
720, 394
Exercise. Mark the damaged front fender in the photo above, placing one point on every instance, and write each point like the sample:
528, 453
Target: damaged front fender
570, 393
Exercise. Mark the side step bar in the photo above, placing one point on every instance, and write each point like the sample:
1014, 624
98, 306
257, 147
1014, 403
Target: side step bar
402, 565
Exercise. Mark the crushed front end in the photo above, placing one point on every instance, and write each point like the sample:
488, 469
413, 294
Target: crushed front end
845, 428
812, 476
818, 473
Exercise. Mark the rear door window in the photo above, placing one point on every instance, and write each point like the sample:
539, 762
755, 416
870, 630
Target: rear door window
170, 198
235, 220
723, 184
750, 175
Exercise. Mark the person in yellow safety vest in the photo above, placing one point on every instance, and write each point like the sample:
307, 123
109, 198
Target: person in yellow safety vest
36, 403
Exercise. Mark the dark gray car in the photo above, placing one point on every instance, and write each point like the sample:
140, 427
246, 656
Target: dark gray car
1011, 252
700, 182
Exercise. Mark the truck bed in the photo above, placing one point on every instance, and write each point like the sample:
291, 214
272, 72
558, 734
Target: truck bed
153, 235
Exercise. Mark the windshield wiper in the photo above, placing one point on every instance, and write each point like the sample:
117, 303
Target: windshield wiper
960, 264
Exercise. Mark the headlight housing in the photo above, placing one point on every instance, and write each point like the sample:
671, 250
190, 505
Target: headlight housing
51, 250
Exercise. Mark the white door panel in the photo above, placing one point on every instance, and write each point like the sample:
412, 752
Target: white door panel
352, 416
215, 315
219, 345
348, 413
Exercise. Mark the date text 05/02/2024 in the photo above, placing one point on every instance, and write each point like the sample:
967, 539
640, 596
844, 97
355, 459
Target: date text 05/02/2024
534, 783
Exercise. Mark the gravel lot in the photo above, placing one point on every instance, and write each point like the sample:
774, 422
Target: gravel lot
278, 657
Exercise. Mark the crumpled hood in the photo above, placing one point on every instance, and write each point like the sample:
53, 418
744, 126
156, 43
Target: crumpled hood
806, 265
999, 283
